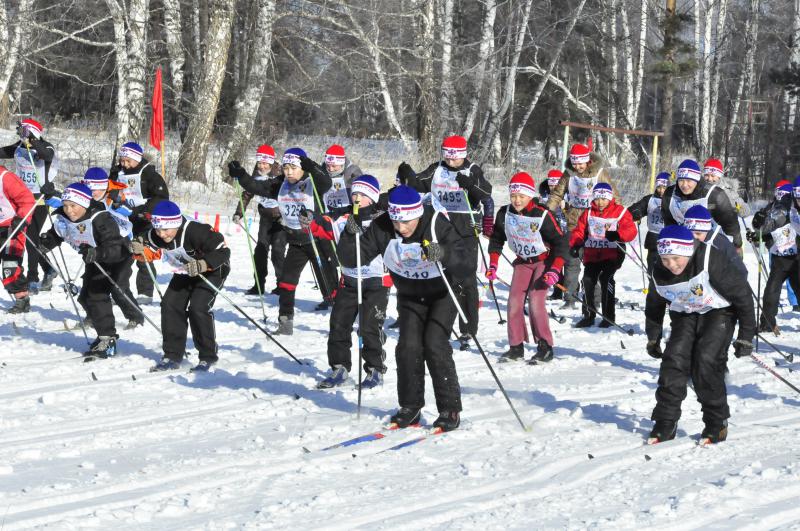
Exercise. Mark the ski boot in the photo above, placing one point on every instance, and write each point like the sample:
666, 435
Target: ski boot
337, 378
103, 347
544, 353
714, 432
165, 364
405, 417
276, 291
285, 326
605, 323
202, 366
514, 353
21, 305
373, 379
663, 430
586, 322
568, 305
47, 282
463, 342
395, 324
447, 421
33, 287
254, 291
323, 306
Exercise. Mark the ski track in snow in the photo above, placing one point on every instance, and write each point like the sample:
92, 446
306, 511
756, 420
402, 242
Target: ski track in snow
107, 445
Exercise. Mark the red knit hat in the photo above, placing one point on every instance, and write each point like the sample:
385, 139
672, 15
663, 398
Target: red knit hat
553, 176
265, 153
32, 126
522, 183
335, 155
454, 147
579, 154
714, 167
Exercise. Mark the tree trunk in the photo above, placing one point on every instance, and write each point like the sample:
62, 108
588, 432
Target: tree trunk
121, 55
449, 105
10, 49
670, 35
427, 130
704, 146
487, 38
249, 99
192, 158
173, 31
136, 67
720, 49
748, 70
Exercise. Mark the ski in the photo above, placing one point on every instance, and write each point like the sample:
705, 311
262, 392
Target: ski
367, 437
405, 444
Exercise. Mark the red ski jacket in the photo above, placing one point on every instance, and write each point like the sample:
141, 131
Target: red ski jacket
599, 249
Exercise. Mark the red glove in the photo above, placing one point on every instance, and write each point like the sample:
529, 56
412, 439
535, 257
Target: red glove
491, 273
550, 278
488, 225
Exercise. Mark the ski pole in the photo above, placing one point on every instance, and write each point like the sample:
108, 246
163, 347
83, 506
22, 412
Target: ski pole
628, 331
125, 296
239, 224
250, 250
360, 307
763, 365
148, 264
758, 298
246, 316
640, 254
322, 281
788, 357
480, 348
324, 209
69, 291
483, 257
22, 222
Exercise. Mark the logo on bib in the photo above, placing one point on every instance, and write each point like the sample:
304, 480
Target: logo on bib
410, 257
81, 228
534, 227
697, 290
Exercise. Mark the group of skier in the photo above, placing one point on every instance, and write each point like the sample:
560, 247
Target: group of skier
421, 237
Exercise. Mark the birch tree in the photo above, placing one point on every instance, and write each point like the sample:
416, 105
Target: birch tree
487, 39
172, 33
10, 42
746, 80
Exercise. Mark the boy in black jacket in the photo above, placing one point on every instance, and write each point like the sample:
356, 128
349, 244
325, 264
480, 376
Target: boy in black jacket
191, 249
704, 290
412, 239
88, 227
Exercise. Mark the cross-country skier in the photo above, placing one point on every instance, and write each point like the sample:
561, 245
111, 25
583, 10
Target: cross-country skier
714, 174
533, 233
412, 238
271, 240
16, 202
601, 231
303, 182
374, 287
704, 291
192, 249
145, 189
90, 229
37, 166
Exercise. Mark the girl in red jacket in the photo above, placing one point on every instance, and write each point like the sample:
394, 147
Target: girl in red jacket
601, 230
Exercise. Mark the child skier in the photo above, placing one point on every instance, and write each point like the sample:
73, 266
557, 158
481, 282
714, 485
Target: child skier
704, 291
374, 287
535, 237
89, 228
601, 231
415, 240
191, 249
16, 202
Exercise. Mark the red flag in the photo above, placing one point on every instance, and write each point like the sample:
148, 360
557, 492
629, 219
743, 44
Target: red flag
157, 122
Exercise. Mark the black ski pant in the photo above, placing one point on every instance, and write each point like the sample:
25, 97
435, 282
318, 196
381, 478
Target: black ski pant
330, 264
97, 292
602, 273
190, 299
144, 283
271, 239
655, 307
35, 260
296, 258
468, 295
698, 349
782, 267
425, 324
370, 330
121, 273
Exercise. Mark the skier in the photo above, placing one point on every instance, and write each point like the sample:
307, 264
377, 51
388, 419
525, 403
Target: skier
774, 225
689, 191
546, 187
704, 291
365, 192
16, 202
698, 220
584, 170
271, 236
601, 230
89, 228
412, 238
303, 180
145, 189
37, 166
458, 186
191, 249
713, 174
649, 206
533, 233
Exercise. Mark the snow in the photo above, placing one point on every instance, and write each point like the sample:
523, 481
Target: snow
88, 446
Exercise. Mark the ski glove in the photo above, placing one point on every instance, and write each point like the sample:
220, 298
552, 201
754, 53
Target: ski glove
307, 164
753, 237
236, 219
196, 267
465, 180
758, 219
353, 226
54, 202
488, 225
405, 173
305, 218
654, 349
432, 251
48, 189
612, 235
235, 170
19, 222
742, 348
88, 252
550, 278
137, 246
47, 242
491, 273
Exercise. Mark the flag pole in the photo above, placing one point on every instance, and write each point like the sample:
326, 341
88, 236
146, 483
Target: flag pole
163, 171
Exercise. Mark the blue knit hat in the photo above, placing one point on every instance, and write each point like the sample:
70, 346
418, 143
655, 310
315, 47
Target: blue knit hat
662, 179
78, 193
405, 204
675, 240
603, 191
292, 156
96, 179
166, 215
796, 187
131, 150
367, 185
697, 218
689, 169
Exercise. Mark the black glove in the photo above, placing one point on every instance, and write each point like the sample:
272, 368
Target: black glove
88, 252
753, 237
48, 189
405, 172
742, 348
433, 252
235, 170
612, 235
465, 180
574, 252
758, 219
19, 222
654, 349
353, 225
305, 218
47, 242
307, 164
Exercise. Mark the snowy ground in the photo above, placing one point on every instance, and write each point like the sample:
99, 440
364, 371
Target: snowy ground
226, 450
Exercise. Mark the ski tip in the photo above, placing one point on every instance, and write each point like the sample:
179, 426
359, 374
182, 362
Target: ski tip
306, 450
591, 456
296, 396
133, 377
647, 457
630, 331
621, 344
94, 377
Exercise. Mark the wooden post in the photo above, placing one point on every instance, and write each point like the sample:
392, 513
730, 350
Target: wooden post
565, 152
653, 164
